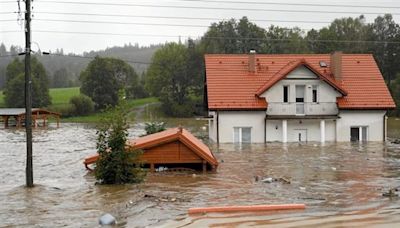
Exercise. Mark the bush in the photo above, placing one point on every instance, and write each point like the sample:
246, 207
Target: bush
154, 127
117, 163
82, 105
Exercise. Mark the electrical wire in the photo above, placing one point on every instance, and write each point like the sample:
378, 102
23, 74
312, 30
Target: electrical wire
294, 4
172, 17
209, 8
214, 37
123, 23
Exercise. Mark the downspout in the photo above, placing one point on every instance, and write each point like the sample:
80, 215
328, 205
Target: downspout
265, 128
217, 127
385, 127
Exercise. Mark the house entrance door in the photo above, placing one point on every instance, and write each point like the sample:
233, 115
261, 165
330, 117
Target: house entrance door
300, 135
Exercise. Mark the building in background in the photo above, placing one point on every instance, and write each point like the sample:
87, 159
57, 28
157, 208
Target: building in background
257, 98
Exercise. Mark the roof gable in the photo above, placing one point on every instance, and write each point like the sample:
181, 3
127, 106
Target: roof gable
175, 134
290, 67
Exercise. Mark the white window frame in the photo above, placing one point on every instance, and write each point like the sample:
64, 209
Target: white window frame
240, 134
360, 131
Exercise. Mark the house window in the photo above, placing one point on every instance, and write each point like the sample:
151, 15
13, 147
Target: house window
285, 94
314, 93
300, 89
242, 134
359, 134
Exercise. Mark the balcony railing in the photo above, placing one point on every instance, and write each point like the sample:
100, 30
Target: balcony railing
293, 108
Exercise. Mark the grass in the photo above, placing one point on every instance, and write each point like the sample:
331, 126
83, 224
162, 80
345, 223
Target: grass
60, 99
60, 96
2, 104
96, 117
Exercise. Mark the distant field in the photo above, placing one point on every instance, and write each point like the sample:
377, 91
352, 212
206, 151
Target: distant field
59, 96
2, 105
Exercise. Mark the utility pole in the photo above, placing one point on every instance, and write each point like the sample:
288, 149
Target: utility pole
28, 95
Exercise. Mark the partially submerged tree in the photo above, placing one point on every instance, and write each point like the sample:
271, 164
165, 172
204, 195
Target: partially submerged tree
117, 163
154, 127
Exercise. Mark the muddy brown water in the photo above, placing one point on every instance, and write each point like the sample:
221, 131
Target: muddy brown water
341, 184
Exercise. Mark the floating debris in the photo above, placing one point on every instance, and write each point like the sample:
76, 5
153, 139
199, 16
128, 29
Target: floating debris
107, 219
391, 193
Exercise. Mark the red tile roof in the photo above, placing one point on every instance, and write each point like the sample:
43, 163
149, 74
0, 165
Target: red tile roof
174, 134
169, 135
230, 86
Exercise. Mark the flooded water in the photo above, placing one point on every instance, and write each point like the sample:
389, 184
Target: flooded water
341, 184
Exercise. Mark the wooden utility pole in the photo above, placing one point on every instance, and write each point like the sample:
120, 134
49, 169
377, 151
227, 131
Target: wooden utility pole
28, 95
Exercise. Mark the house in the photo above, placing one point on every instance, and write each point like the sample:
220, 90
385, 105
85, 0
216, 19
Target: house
257, 98
175, 147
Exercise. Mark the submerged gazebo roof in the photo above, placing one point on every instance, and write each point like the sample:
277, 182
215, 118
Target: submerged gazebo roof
21, 111
19, 114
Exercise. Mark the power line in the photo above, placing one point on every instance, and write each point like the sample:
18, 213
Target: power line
294, 4
123, 23
211, 8
172, 17
215, 37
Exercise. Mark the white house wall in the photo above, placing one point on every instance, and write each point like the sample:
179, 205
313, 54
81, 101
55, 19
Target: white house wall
212, 126
230, 119
326, 93
274, 130
370, 118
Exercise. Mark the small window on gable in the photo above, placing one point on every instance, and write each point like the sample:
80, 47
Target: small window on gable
315, 93
285, 94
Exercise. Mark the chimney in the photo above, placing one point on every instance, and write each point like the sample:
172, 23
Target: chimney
336, 65
252, 61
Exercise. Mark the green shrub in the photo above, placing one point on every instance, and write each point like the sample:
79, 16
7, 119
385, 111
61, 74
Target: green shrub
117, 164
154, 127
82, 105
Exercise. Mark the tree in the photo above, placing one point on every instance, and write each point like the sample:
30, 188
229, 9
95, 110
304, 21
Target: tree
117, 163
82, 105
233, 37
14, 92
3, 50
336, 35
385, 30
104, 77
171, 79
60, 78
284, 40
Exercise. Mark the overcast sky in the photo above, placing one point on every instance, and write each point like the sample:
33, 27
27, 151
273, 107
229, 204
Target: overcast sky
59, 23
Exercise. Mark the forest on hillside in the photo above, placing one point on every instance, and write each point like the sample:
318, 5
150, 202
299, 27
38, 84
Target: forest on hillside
63, 69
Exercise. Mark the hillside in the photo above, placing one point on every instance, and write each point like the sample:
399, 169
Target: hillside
136, 56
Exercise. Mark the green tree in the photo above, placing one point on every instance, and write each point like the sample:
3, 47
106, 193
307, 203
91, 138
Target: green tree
233, 37
335, 36
387, 31
104, 77
60, 78
171, 79
14, 92
117, 163
3, 50
285, 40
82, 105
